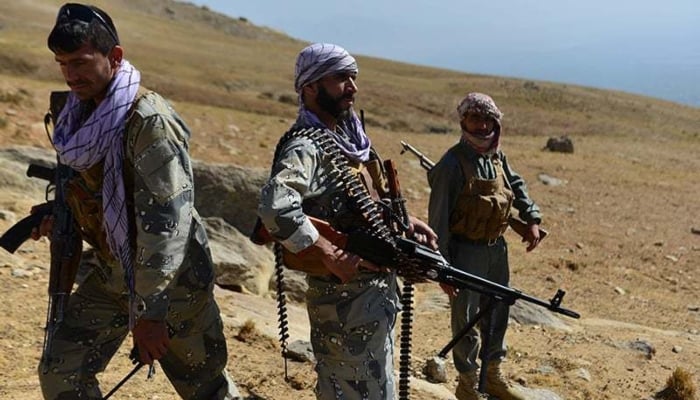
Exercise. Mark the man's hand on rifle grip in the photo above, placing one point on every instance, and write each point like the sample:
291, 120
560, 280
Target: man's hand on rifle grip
151, 339
532, 237
421, 233
341, 263
44, 228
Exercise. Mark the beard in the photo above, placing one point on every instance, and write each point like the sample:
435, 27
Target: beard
332, 105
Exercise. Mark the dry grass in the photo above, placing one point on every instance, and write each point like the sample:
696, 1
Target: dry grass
679, 386
231, 64
622, 220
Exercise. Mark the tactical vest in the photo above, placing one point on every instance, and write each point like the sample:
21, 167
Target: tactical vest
483, 206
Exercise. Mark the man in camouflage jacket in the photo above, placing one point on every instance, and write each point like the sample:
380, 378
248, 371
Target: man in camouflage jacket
132, 199
352, 304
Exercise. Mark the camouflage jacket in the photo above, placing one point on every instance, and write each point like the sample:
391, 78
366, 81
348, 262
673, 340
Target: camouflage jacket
164, 225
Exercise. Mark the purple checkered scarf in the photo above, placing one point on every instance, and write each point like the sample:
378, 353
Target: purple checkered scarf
313, 63
101, 137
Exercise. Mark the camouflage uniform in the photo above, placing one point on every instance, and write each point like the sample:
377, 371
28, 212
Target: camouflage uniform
173, 274
352, 323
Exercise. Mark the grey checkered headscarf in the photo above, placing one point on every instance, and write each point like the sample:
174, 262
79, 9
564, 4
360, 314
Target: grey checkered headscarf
313, 63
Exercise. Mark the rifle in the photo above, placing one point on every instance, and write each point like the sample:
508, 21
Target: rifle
519, 226
66, 241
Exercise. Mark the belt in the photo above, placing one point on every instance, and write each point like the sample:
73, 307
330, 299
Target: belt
478, 242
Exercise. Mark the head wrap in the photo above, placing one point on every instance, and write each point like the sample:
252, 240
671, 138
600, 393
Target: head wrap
481, 104
321, 59
313, 63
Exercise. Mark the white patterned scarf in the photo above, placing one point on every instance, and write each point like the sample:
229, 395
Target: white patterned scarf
481, 104
101, 137
313, 63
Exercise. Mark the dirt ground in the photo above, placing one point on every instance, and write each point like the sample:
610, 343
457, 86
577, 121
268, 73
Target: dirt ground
621, 244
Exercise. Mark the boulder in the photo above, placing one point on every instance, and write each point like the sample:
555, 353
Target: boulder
562, 144
238, 263
229, 192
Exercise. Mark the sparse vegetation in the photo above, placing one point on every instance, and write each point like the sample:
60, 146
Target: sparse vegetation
630, 185
679, 386
247, 332
12, 98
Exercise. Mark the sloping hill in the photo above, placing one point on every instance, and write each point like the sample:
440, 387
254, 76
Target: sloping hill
194, 55
621, 223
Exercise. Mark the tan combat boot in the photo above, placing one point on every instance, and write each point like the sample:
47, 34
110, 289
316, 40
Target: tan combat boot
498, 386
467, 387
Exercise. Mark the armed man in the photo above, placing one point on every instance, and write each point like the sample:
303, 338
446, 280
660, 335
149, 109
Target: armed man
325, 167
131, 199
472, 191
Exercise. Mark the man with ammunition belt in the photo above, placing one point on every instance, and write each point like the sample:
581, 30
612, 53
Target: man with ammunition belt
131, 199
352, 303
472, 191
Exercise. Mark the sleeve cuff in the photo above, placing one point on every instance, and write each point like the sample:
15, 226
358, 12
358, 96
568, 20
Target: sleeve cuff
155, 307
303, 237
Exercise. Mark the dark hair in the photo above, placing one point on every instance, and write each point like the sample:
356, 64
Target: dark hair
78, 24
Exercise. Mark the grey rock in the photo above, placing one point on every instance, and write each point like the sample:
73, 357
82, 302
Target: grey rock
550, 180
229, 192
6, 215
239, 264
14, 162
527, 313
562, 144
300, 350
295, 284
435, 370
643, 346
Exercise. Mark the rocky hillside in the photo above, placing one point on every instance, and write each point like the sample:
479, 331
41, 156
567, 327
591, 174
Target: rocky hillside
621, 209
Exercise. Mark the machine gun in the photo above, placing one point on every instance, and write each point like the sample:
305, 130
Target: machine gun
424, 261
519, 226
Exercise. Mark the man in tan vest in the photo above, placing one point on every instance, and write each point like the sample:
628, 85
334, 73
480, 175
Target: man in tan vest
472, 191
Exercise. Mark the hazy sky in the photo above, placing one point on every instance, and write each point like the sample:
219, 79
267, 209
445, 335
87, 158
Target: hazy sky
641, 46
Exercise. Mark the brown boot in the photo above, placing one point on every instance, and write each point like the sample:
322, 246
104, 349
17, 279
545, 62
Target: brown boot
498, 386
467, 387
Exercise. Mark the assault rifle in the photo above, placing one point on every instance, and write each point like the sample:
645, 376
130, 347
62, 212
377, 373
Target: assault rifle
516, 224
66, 242
66, 245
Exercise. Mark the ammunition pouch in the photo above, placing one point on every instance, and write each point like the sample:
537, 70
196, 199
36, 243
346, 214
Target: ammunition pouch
483, 206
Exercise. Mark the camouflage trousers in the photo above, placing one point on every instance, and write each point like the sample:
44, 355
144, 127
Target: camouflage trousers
489, 262
96, 324
352, 336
